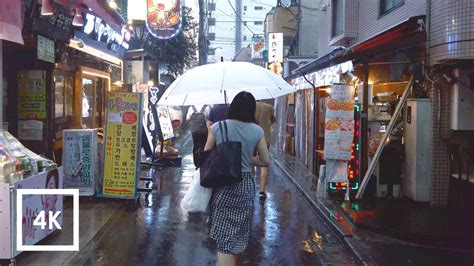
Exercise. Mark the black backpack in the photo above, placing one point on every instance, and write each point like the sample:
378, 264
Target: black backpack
198, 123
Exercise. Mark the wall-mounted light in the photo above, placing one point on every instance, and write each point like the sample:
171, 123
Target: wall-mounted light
150, 83
113, 4
46, 8
78, 21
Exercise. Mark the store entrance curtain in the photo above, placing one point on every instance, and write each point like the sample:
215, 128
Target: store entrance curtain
10, 21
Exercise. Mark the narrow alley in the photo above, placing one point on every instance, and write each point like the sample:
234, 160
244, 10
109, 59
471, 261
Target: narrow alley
285, 229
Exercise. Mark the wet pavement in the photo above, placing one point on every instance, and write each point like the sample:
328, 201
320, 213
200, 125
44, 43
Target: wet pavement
373, 248
285, 229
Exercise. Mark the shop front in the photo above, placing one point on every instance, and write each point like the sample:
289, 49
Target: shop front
92, 67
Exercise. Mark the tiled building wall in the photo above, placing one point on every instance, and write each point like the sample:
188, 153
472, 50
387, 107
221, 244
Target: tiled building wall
439, 185
452, 30
371, 23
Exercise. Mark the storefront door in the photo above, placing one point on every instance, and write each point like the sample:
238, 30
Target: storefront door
89, 108
92, 102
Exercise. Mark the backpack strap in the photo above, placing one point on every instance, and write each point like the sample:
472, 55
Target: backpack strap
225, 127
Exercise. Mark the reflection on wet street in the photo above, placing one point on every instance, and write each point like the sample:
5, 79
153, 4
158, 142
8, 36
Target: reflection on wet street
285, 230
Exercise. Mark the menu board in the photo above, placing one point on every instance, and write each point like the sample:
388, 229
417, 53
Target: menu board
339, 123
32, 94
122, 144
165, 122
80, 160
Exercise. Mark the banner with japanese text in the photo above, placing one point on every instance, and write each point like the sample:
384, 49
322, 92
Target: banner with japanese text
339, 129
122, 144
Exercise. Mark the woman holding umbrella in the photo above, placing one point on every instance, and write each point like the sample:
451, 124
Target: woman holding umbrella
232, 206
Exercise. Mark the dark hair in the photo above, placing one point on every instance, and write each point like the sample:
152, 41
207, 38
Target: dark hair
53, 174
243, 107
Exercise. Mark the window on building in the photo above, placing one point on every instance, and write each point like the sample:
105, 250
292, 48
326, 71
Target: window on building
337, 17
245, 8
389, 5
245, 38
212, 21
258, 23
211, 6
211, 36
258, 8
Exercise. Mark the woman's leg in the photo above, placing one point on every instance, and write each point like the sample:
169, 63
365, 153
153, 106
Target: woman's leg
237, 259
224, 259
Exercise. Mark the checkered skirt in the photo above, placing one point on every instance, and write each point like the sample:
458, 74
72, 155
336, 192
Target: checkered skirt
231, 213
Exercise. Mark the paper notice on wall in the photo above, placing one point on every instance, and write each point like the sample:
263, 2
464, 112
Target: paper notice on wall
336, 171
339, 126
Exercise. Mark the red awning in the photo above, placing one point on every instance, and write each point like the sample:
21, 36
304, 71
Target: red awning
405, 33
97, 8
10, 21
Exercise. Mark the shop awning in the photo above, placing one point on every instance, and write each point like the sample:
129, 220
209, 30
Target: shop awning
10, 21
407, 34
317, 64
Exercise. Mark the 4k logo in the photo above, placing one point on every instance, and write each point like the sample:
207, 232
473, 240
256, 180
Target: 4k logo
52, 216
44, 219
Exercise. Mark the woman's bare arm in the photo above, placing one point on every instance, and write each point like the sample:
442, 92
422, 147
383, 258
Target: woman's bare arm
263, 157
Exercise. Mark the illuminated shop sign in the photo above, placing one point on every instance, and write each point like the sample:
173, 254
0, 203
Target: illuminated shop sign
97, 29
164, 18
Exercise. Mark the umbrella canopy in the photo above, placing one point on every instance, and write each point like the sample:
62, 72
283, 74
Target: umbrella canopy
208, 84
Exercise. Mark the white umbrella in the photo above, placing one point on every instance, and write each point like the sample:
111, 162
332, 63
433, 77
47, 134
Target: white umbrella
208, 84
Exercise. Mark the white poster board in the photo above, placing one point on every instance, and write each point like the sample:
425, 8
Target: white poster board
339, 126
80, 160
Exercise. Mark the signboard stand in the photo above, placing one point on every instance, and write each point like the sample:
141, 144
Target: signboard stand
122, 145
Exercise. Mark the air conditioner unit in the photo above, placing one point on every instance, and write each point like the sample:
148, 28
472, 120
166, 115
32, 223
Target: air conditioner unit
462, 97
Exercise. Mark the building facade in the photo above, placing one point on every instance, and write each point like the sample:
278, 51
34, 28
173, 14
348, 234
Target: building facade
232, 25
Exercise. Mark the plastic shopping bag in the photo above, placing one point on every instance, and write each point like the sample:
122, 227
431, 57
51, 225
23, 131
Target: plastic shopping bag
197, 197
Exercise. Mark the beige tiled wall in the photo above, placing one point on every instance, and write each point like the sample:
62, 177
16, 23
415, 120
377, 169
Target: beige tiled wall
367, 23
451, 29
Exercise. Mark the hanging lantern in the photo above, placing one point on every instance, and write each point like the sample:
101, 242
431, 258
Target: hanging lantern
46, 8
78, 21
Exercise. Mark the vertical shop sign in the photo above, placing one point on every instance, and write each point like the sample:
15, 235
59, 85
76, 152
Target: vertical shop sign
339, 126
45, 49
164, 18
151, 117
32, 94
80, 154
258, 45
275, 52
122, 144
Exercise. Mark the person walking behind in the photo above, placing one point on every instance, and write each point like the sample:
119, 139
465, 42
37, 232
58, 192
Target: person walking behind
232, 206
265, 117
217, 113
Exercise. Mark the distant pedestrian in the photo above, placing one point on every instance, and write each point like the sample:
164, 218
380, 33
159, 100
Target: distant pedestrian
265, 117
217, 113
199, 130
232, 206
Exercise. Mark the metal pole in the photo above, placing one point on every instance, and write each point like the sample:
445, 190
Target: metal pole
364, 119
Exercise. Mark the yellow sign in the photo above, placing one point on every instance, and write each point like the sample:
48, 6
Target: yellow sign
122, 144
32, 94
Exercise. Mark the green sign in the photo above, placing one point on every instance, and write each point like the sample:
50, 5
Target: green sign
32, 94
45, 49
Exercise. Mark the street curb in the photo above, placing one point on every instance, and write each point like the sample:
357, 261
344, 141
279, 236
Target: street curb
323, 215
